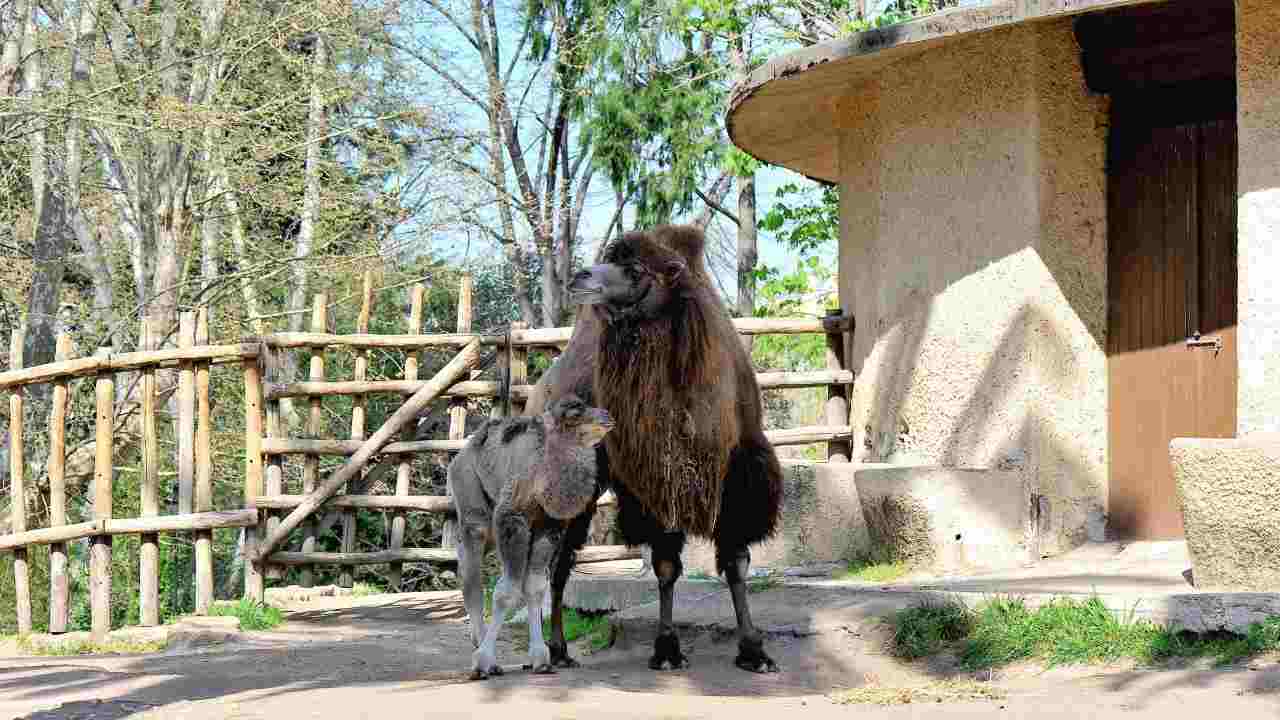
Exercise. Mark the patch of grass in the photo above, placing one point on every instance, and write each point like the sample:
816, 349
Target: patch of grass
763, 583
872, 572
928, 628
594, 626
936, 692
363, 589
1063, 632
87, 647
253, 615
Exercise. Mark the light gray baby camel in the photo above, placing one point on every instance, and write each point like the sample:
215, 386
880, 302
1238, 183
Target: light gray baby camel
514, 485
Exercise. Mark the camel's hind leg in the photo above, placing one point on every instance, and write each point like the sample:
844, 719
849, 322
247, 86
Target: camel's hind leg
471, 570
513, 536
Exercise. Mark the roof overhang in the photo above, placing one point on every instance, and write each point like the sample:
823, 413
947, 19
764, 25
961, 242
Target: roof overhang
786, 111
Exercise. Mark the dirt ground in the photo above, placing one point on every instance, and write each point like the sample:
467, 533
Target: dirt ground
405, 656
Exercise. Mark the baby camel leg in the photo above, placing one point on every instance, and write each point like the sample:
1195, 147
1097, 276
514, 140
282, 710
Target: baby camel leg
535, 590
513, 536
470, 567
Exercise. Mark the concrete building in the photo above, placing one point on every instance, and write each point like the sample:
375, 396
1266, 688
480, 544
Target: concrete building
1060, 238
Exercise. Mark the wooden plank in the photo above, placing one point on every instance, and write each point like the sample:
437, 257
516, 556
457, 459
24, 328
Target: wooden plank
379, 557
404, 471
591, 554
346, 579
49, 536
418, 503
204, 472
103, 470
254, 587
149, 547
518, 359
837, 407
540, 337
106, 361
59, 582
333, 446
809, 434
186, 522
18, 489
463, 362
487, 388
1218, 372
458, 405
186, 416
315, 426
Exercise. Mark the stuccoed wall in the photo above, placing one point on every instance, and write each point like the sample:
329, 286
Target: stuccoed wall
974, 257
1258, 68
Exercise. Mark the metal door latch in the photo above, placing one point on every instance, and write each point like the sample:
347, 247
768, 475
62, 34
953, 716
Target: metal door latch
1198, 341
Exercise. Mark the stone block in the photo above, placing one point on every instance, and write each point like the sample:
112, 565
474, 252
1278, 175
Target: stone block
948, 519
821, 522
1229, 490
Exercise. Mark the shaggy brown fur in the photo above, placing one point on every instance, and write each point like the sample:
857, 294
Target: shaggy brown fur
684, 395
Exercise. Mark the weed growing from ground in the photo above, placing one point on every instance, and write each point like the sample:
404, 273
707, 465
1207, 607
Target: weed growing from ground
253, 615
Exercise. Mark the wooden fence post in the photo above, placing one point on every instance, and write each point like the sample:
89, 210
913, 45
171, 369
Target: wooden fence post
18, 489
275, 480
100, 545
346, 577
458, 405
59, 588
837, 409
518, 358
204, 472
404, 471
186, 416
149, 549
254, 586
315, 427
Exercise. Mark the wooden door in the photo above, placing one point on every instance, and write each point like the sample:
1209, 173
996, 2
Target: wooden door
1171, 275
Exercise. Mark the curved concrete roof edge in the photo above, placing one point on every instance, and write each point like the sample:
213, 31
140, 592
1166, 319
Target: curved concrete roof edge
871, 44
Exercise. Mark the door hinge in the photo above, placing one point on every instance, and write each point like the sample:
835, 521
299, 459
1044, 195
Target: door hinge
1199, 341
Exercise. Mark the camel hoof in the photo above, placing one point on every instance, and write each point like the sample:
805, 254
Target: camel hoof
667, 655
560, 657
543, 669
479, 675
753, 658
495, 671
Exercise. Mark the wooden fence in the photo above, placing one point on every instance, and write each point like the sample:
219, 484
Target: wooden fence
269, 513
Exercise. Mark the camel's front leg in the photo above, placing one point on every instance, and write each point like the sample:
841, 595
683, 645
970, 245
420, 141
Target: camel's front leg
535, 591
668, 567
735, 564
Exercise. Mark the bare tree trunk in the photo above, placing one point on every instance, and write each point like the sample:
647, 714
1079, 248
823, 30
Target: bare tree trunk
14, 22
513, 252
311, 193
239, 243
747, 249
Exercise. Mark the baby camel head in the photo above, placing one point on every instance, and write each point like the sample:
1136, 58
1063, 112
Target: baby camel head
570, 416
566, 482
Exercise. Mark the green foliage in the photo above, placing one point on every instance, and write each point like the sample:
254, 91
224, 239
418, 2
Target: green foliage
1064, 631
901, 11
253, 615
926, 629
866, 570
805, 224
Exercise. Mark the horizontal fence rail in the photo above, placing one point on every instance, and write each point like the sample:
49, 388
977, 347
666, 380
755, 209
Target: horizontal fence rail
272, 515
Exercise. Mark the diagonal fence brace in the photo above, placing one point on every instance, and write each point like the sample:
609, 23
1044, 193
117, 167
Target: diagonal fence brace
467, 359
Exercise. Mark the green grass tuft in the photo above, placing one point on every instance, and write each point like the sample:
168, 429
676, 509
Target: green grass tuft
927, 629
68, 648
1063, 632
872, 572
253, 615
763, 583
363, 589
